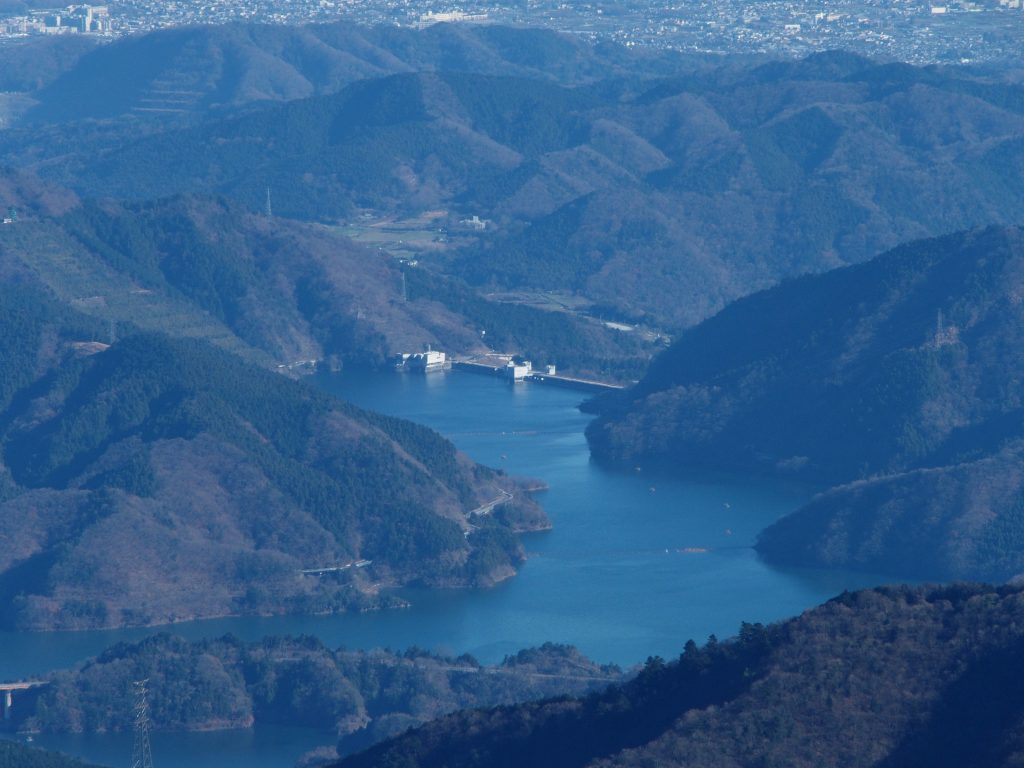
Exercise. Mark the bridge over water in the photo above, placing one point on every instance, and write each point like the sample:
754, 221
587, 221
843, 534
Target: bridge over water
7, 691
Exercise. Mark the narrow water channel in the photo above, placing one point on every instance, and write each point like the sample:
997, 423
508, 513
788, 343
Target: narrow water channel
635, 564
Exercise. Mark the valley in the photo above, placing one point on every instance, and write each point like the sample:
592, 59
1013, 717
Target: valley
786, 290
724, 175
826, 688
898, 355
609, 537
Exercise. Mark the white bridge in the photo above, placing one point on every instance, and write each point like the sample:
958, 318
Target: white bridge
486, 509
335, 568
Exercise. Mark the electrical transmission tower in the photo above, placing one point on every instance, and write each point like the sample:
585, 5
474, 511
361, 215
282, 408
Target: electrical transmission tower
142, 756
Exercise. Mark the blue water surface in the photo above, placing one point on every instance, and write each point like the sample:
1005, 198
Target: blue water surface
634, 566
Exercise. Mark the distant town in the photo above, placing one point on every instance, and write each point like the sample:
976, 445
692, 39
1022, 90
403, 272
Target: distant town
915, 31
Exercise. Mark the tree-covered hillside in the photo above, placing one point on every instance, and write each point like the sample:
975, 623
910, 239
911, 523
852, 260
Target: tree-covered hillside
18, 756
30, 64
37, 332
363, 696
964, 520
909, 362
663, 190
227, 67
272, 290
913, 358
887, 677
159, 480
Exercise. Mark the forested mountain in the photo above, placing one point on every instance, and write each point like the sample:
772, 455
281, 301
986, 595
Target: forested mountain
660, 191
905, 370
882, 678
188, 72
963, 520
364, 696
155, 468
30, 64
18, 756
214, 484
272, 290
26, 193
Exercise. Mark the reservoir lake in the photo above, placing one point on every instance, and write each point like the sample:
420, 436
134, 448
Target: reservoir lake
634, 566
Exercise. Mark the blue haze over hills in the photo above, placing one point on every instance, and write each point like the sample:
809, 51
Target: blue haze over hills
799, 267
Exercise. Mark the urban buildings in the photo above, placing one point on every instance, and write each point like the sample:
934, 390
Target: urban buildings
914, 31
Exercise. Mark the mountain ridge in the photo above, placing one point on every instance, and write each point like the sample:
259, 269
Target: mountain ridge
841, 685
896, 376
285, 294
228, 67
222, 488
724, 177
